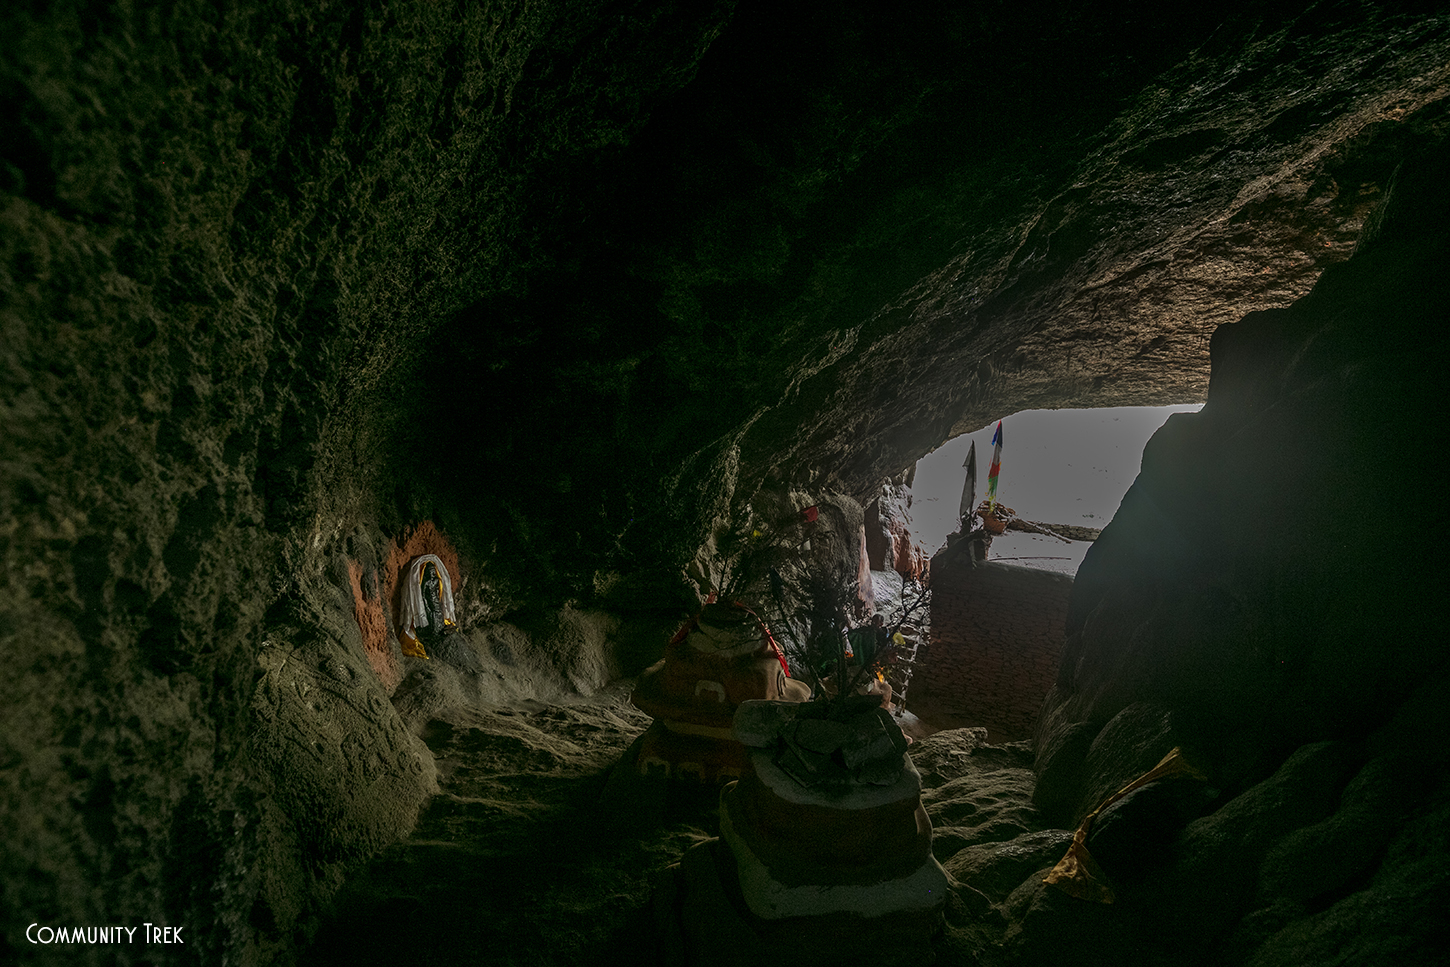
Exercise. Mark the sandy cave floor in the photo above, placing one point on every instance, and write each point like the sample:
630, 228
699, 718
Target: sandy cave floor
515, 861
521, 859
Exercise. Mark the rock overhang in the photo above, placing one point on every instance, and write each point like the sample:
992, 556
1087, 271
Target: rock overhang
824, 285
255, 264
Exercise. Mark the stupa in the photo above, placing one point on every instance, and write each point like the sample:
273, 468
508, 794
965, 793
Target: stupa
824, 854
829, 819
720, 659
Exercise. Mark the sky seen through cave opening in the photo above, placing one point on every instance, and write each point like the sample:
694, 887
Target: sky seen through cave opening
1058, 467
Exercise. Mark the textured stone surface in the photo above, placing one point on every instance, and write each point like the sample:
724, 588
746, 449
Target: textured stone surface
997, 869
1210, 884
1394, 917
889, 544
519, 803
574, 281
947, 755
1185, 601
546, 657
974, 793
1133, 742
324, 723
1188, 627
997, 633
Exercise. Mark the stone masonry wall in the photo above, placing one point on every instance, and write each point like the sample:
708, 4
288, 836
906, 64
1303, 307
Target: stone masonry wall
996, 642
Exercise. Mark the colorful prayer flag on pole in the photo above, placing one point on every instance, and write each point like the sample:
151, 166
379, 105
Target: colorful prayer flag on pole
996, 466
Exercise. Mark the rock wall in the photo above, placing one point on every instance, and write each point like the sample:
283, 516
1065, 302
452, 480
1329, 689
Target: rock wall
212, 225
997, 635
572, 280
1266, 599
889, 544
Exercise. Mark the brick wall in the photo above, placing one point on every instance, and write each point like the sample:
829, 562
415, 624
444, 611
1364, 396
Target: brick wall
997, 634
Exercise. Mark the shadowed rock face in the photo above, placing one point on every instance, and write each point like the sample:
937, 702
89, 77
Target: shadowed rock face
574, 281
1263, 600
1277, 542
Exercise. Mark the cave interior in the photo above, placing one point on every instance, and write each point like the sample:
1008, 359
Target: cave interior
562, 292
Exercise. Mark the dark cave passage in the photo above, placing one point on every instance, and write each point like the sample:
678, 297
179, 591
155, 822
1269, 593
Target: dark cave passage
579, 297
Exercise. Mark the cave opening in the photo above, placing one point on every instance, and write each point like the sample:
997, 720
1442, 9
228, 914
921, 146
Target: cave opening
1064, 466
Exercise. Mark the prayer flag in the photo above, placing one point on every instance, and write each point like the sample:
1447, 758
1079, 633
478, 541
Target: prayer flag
996, 465
969, 487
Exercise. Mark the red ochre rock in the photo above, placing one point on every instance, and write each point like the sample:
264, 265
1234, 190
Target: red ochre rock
367, 609
376, 594
722, 658
889, 542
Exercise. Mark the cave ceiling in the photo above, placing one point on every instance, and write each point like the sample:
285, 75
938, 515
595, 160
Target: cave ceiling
574, 279
852, 235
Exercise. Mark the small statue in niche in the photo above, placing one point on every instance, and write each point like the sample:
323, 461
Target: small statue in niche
427, 606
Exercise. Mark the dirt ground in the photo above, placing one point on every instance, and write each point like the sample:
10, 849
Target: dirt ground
515, 862
524, 858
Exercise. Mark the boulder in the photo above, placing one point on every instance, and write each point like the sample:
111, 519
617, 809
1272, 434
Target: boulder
1228, 609
325, 724
998, 868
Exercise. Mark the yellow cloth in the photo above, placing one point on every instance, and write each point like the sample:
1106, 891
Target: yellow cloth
1077, 873
412, 647
413, 611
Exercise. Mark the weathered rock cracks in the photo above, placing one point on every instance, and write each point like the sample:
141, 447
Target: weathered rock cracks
1230, 610
283, 281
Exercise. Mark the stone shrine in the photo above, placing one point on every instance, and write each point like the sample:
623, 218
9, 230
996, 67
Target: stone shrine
722, 658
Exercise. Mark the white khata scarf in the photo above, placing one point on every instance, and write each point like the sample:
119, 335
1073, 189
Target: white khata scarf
414, 613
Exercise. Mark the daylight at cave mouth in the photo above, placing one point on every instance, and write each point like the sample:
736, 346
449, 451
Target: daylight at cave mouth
1063, 466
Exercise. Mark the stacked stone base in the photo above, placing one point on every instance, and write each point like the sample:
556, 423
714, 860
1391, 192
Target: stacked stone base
804, 859
805, 877
668, 750
723, 658
704, 921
